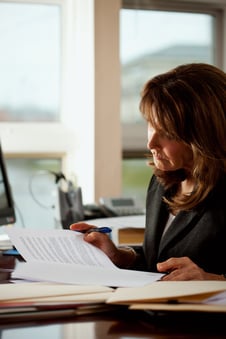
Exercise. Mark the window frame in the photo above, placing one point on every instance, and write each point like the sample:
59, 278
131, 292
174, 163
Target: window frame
30, 138
133, 135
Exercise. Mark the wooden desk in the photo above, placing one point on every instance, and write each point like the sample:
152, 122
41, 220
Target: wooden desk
121, 324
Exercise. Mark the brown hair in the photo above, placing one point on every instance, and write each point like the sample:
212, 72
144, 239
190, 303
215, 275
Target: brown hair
190, 106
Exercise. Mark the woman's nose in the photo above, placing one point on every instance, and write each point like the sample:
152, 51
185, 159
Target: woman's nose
152, 139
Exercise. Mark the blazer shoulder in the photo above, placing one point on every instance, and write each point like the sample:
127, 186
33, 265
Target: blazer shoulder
153, 183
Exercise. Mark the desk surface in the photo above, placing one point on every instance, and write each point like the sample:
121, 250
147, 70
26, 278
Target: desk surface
121, 323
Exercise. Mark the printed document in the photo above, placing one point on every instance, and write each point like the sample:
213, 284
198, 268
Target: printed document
63, 256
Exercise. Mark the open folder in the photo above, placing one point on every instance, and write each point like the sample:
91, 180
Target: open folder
174, 296
63, 256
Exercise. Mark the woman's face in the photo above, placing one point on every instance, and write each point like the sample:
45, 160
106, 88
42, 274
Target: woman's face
168, 154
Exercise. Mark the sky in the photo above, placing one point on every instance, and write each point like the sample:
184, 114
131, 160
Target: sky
147, 31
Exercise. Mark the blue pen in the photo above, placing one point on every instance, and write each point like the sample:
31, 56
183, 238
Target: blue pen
96, 229
100, 229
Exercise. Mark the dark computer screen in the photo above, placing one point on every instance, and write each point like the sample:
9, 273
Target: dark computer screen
7, 212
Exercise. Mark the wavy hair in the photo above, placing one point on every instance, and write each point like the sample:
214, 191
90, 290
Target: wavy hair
190, 106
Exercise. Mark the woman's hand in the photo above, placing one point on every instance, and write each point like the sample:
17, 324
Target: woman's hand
184, 269
121, 257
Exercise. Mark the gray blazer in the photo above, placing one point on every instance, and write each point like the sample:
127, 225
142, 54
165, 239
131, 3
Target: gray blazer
199, 234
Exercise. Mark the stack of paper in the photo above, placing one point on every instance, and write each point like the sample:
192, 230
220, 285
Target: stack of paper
42, 300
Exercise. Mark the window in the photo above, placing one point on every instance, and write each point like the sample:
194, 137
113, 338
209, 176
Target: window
71, 128
30, 68
136, 175
29, 62
153, 41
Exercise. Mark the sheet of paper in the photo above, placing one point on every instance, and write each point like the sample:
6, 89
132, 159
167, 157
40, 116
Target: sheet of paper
62, 246
63, 256
217, 299
82, 274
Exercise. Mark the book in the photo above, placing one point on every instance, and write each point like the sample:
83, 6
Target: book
174, 296
63, 256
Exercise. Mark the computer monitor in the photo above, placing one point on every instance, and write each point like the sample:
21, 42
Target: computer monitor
7, 212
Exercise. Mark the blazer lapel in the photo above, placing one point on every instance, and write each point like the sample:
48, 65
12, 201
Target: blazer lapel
156, 217
180, 226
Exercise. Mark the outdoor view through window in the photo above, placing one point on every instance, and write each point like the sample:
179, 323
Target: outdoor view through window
30, 65
153, 42
29, 62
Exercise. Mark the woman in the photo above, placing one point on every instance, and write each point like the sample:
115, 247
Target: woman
185, 233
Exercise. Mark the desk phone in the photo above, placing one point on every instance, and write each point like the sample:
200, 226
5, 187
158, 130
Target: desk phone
121, 206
